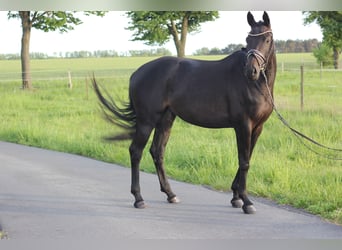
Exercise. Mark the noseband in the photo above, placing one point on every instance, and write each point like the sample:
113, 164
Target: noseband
259, 57
262, 61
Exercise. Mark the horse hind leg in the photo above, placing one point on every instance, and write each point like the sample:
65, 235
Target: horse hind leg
160, 139
136, 148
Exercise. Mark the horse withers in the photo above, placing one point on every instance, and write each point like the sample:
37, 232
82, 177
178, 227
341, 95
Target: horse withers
234, 92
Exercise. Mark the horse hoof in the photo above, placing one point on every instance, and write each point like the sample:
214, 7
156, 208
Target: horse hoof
139, 204
174, 200
238, 203
250, 209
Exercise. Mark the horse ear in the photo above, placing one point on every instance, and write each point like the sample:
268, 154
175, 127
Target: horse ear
250, 19
266, 19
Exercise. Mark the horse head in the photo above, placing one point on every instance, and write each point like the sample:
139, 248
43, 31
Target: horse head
259, 46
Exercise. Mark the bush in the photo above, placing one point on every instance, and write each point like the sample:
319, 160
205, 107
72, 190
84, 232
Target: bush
324, 54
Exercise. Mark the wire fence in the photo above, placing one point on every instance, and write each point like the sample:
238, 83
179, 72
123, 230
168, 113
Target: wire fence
309, 65
62, 75
284, 66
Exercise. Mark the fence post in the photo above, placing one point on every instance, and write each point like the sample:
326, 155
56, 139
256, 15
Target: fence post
302, 87
87, 88
70, 82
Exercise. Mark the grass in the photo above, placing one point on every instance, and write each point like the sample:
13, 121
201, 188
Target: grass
55, 117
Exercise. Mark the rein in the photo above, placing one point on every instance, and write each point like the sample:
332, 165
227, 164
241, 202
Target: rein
298, 134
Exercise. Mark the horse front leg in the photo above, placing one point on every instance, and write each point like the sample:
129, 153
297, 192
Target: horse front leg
237, 201
239, 186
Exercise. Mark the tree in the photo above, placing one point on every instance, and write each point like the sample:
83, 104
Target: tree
157, 27
46, 21
331, 25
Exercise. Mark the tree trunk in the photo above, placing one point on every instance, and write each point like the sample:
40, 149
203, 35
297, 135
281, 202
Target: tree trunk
336, 55
184, 33
180, 50
25, 49
179, 47
180, 42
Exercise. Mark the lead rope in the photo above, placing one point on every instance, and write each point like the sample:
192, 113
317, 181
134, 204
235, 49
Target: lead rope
298, 134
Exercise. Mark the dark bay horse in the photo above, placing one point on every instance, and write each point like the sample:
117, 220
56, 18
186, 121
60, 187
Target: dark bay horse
234, 92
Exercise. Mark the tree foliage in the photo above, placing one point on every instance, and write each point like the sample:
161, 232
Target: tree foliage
46, 21
158, 27
331, 25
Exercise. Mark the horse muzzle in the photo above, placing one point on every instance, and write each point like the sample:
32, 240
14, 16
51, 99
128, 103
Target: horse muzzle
254, 65
252, 72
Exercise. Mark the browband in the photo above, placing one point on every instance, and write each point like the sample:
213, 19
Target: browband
260, 34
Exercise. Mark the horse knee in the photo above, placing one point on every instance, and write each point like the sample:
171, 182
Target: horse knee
244, 166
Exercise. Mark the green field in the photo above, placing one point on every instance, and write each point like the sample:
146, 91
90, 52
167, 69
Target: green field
55, 117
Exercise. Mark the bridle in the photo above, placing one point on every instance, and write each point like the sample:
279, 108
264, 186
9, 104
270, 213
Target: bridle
262, 61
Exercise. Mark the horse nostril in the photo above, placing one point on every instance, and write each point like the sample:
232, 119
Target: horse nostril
252, 72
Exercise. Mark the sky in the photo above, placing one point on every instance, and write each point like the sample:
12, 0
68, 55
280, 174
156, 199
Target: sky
109, 33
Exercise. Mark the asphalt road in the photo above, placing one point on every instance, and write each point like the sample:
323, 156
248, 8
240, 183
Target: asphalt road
51, 195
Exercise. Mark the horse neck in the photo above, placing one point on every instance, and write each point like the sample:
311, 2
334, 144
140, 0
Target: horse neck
271, 70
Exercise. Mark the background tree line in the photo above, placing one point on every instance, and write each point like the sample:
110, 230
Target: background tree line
282, 46
93, 54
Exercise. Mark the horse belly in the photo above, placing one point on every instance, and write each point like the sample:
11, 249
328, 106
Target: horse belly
203, 114
206, 123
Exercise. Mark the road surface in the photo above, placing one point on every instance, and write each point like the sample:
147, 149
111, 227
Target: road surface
52, 195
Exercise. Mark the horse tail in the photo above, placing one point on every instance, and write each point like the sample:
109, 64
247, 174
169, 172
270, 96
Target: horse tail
124, 117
